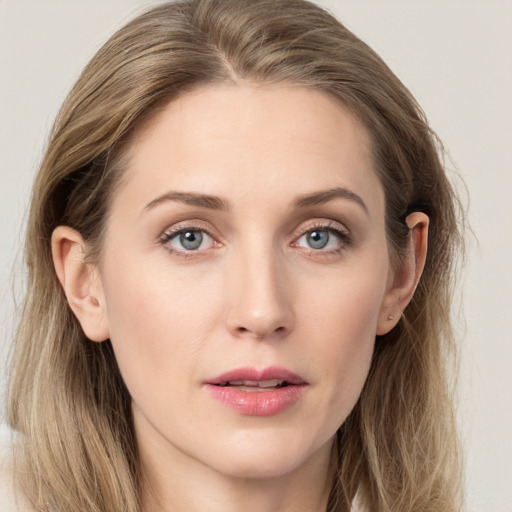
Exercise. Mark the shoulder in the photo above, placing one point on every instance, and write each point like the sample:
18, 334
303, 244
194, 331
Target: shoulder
10, 499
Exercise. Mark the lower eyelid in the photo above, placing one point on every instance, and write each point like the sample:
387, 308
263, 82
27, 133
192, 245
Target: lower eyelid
342, 241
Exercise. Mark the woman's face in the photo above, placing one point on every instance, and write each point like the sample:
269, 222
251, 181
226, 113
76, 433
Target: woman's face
244, 276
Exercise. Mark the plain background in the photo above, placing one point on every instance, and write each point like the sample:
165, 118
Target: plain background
455, 57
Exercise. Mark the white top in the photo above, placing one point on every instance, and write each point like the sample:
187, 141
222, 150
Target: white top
10, 499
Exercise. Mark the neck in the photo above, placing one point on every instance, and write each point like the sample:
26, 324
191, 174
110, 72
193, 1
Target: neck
172, 481
233, 496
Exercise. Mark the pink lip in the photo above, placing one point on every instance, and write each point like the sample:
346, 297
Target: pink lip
261, 401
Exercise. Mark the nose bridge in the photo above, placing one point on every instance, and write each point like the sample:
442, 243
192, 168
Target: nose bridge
260, 303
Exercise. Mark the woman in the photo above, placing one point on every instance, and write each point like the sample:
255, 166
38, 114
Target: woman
240, 249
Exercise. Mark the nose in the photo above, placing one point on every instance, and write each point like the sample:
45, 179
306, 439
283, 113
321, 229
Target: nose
260, 294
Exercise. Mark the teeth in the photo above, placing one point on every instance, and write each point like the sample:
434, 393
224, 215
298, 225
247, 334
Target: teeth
270, 383
254, 383
243, 383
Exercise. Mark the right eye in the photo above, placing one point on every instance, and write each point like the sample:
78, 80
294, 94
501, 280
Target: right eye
187, 240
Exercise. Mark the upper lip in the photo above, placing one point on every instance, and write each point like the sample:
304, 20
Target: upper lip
257, 375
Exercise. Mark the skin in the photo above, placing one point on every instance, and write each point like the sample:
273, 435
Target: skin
255, 293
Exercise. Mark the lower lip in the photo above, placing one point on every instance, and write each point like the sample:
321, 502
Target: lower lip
257, 403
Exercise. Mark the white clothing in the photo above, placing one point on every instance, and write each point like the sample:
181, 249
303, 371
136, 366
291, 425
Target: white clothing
10, 499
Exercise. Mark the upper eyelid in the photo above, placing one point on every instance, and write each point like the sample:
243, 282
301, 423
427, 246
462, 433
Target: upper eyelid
206, 227
322, 224
195, 225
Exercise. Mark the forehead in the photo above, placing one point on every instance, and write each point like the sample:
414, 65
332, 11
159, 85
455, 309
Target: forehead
252, 141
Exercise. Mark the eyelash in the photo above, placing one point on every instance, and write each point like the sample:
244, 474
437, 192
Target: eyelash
331, 227
172, 233
342, 233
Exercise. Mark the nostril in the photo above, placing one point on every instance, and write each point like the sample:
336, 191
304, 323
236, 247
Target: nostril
249, 333
253, 334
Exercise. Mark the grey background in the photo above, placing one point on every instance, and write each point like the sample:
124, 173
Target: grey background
455, 56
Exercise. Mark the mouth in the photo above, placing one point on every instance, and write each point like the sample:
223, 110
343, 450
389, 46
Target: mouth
254, 385
255, 392
254, 379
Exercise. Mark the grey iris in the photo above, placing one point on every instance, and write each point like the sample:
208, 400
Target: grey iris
191, 240
318, 239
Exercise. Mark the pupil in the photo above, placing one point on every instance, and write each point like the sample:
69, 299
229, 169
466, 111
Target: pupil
318, 239
191, 240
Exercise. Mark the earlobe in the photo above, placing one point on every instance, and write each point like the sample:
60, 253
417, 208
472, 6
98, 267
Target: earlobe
80, 281
403, 282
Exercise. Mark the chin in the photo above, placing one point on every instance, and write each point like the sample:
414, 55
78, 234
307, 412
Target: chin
259, 469
270, 458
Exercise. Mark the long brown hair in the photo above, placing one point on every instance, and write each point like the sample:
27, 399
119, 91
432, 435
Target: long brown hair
398, 448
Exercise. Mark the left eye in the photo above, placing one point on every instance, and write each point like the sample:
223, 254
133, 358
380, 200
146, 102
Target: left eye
189, 240
319, 239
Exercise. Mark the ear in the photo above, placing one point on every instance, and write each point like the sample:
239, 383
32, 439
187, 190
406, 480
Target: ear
403, 282
80, 281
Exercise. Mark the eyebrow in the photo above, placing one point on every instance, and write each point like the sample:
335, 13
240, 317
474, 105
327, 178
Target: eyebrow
191, 198
325, 196
218, 203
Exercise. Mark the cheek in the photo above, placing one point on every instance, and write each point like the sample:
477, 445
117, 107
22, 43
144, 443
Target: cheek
158, 324
342, 320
